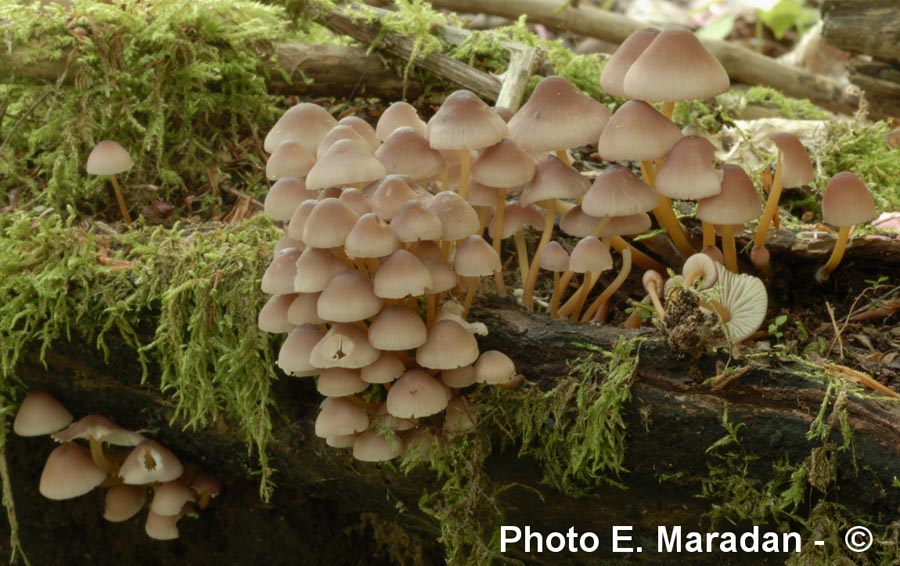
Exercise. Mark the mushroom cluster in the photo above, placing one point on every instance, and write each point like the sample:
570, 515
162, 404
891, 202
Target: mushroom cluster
362, 282
72, 470
385, 226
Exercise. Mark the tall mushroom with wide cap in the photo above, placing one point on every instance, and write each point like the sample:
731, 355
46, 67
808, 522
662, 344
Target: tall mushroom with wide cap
737, 204
847, 202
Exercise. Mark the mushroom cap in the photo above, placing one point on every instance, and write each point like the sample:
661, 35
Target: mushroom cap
476, 258
459, 417
675, 66
416, 394
464, 121
458, 219
108, 158
612, 78
169, 498
343, 346
385, 369
344, 163
373, 446
516, 217
348, 297
796, 168
304, 123
363, 128
384, 420
340, 382
150, 462
554, 257
69, 472
297, 222
503, 165
449, 346
688, 172
402, 275
339, 417
328, 224
847, 201
576, 222
554, 179
630, 225
702, 266
356, 200
397, 328
414, 222
590, 255
494, 367
39, 414
341, 132
294, 355
284, 197
637, 132
398, 115
557, 116
745, 299
406, 152
460, 377
161, 527
388, 195
289, 159
123, 502
736, 204
278, 279
99, 428
304, 309
371, 237
618, 192
313, 269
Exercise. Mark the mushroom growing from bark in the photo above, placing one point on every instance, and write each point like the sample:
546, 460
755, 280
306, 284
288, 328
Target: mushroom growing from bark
847, 202
39, 414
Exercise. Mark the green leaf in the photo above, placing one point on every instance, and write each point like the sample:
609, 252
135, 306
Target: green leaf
719, 29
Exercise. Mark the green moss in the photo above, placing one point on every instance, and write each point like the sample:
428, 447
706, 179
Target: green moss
180, 84
185, 297
574, 430
787, 107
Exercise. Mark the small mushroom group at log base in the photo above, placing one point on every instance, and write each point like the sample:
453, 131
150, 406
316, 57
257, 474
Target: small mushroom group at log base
72, 471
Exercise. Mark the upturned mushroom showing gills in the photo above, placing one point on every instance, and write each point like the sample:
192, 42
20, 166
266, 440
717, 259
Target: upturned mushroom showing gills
847, 202
110, 158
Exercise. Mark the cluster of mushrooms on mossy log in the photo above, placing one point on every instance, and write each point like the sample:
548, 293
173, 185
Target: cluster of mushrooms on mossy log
382, 224
72, 470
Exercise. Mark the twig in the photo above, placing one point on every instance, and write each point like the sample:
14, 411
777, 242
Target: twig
742, 64
850, 374
14, 542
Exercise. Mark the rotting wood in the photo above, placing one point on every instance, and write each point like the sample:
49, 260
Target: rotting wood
672, 419
742, 64
291, 69
871, 27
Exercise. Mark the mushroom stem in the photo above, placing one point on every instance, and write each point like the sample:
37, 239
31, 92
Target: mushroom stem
522, 253
430, 309
445, 180
635, 319
657, 304
668, 108
361, 266
465, 163
665, 214
558, 290
550, 208
709, 235
563, 156
639, 258
99, 457
498, 239
728, 247
471, 283
836, 254
573, 305
121, 199
607, 293
771, 205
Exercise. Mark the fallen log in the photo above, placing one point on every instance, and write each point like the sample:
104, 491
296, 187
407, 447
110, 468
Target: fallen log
742, 64
672, 420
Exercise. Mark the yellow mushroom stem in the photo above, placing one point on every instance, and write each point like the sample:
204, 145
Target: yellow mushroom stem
668, 108
445, 180
522, 254
657, 304
638, 257
483, 212
498, 239
709, 234
361, 266
836, 254
573, 307
771, 204
549, 206
120, 199
465, 163
99, 457
607, 293
471, 283
563, 156
635, 319
558, 290
665, 214
728, 247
